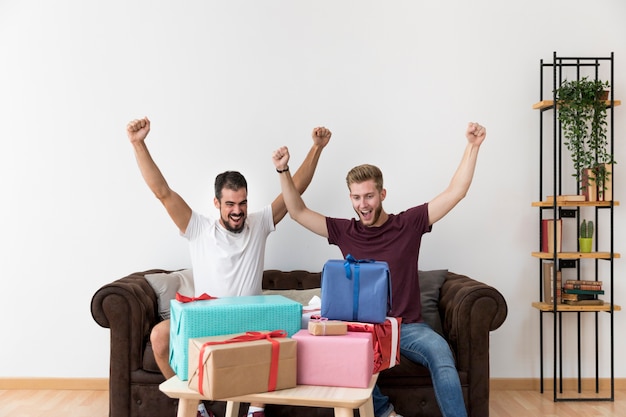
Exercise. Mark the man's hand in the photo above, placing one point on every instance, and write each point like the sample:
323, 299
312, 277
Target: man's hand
281, 158
475, 133
138, 129
321, 136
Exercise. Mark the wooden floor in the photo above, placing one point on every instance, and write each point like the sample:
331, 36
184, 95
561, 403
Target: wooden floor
53, 403
62, 403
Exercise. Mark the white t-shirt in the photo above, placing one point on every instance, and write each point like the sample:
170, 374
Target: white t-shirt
227, 264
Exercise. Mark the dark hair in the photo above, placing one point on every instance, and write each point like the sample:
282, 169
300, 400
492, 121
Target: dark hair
363, 173
231, 180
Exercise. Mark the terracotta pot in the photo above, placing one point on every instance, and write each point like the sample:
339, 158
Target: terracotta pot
588, 185
604, 95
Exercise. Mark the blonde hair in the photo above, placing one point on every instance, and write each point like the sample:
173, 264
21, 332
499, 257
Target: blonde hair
363, 173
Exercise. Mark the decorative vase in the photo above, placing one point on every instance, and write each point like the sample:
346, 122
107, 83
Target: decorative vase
604, 95
588, 185
585, 244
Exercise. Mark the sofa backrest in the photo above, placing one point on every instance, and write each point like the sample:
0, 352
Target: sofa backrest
274, 279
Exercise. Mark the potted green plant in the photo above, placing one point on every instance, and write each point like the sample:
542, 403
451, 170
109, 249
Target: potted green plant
582, 114
585, 239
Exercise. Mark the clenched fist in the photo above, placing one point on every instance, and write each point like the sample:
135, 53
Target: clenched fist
138, 129
281, 158
321, 136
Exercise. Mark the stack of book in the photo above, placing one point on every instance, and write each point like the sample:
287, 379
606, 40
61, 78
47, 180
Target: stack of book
582, 293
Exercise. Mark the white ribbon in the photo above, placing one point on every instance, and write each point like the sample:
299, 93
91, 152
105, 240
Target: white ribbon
394, 341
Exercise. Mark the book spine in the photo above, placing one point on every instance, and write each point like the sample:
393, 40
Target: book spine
547, 235
549, 283
582, 287
575, 291
579, 281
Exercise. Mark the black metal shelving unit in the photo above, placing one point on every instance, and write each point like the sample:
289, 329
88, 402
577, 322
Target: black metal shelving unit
552, 74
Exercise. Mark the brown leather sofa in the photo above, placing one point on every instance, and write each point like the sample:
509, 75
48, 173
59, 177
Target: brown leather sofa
469, 310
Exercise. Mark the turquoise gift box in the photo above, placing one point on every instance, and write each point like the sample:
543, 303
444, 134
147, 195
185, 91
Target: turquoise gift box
227, 315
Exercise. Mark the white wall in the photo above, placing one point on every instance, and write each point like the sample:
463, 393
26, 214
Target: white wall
225, 83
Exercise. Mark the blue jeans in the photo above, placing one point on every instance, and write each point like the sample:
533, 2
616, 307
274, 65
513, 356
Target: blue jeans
423, 345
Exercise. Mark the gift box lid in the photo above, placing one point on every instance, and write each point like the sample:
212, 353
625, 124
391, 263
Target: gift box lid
230, 302
237, 354
236, 314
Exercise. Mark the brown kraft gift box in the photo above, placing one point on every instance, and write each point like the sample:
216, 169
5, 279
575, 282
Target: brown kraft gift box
236, 364
323, 327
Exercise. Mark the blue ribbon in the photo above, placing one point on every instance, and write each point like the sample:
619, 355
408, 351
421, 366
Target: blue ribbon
347, 265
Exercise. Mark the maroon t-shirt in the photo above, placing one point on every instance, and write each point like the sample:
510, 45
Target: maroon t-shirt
396, 242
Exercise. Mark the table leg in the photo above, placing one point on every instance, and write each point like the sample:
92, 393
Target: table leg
367, 409
343, 412
187, 407
232, 409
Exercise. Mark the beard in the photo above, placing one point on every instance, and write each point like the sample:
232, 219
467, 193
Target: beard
375, 216
237, 229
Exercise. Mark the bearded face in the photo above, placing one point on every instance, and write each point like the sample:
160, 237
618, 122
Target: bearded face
367, 202
233, 207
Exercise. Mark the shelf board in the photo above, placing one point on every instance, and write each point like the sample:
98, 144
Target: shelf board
547, 104
543, 306
576, 255
575, 203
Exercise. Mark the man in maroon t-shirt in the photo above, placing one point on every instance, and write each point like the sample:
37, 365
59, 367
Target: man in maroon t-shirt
395, 239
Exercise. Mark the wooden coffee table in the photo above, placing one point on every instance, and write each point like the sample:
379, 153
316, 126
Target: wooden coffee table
343, 400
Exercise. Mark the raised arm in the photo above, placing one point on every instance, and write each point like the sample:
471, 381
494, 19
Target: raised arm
176, 207
303, 176
298, 211
462, 179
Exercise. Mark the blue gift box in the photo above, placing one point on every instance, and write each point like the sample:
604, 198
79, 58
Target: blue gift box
356, 290
227, 315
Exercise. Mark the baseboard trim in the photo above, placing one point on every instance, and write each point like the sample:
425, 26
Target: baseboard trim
73, 384
533, 384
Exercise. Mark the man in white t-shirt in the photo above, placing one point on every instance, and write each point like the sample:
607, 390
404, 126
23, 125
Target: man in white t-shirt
227, 254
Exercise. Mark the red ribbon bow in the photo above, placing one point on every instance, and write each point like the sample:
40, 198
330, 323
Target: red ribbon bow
247, 337
185, 299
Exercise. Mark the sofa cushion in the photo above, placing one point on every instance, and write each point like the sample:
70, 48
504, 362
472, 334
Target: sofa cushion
167, 284
430, 284
149, 362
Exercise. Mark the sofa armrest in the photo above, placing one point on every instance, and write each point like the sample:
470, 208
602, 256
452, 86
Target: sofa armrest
128, 307
470, 310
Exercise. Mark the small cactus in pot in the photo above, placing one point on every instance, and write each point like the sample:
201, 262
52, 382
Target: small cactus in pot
586, 234
586, 229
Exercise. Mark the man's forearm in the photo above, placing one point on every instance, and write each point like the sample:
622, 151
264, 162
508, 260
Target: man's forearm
303, 176
291, 195
464, 174
150, 171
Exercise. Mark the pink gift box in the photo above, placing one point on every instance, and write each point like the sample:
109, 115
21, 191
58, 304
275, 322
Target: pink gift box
337, 361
